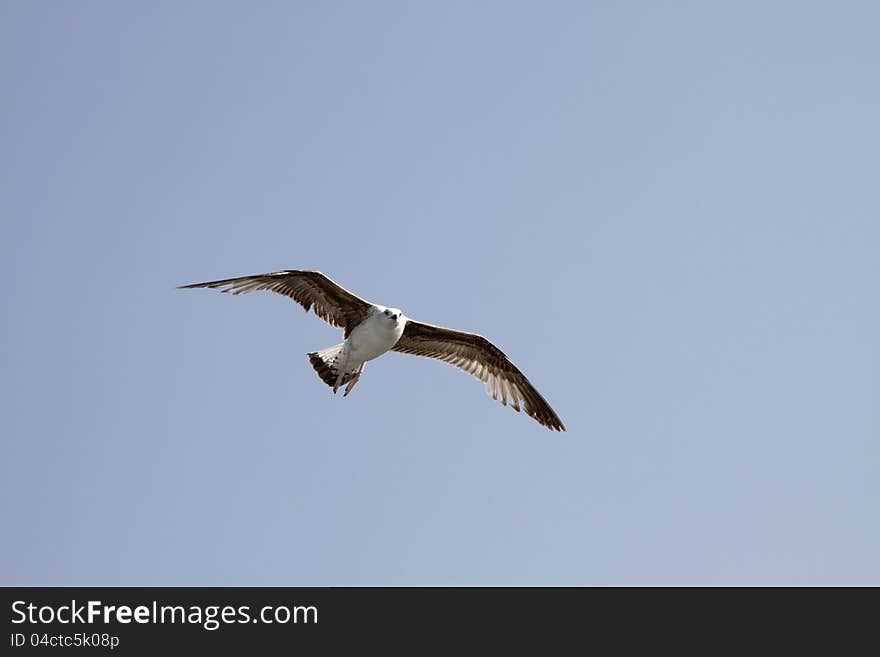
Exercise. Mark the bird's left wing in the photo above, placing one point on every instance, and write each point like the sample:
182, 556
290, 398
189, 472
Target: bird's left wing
310, 289
477, 356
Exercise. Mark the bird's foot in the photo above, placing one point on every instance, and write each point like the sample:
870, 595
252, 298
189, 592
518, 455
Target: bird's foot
341, 374
351, 383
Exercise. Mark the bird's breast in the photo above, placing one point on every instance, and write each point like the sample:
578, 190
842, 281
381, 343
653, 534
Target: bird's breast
373, 337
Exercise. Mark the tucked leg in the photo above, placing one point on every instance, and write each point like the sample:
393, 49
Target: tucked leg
353, 380
345, 357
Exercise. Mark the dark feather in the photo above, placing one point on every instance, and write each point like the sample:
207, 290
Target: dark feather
310, 289
477, 356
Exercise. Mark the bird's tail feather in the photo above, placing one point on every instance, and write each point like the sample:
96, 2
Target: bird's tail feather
326, 363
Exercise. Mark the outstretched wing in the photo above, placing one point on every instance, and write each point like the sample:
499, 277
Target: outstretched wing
310, 289
476, 355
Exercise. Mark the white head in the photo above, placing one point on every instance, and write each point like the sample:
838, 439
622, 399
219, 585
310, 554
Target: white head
393, 315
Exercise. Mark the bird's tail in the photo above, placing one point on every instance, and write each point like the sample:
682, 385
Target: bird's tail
326, 363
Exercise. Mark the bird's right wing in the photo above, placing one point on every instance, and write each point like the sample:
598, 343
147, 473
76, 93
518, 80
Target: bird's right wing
310, 289
477, 356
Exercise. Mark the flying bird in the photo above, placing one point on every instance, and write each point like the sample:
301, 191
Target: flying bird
370, 330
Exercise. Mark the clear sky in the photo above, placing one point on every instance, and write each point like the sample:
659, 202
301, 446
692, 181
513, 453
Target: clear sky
667, 214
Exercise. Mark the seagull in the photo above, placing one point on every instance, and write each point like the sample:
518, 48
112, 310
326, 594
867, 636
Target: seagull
370, 330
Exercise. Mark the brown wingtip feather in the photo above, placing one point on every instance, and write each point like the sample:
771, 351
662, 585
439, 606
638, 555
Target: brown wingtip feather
551, 422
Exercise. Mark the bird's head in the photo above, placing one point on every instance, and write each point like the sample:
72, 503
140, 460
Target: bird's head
393, 315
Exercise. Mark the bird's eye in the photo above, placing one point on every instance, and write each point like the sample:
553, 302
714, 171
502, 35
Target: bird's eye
386, 312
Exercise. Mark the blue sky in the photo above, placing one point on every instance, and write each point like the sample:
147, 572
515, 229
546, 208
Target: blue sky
667, 214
